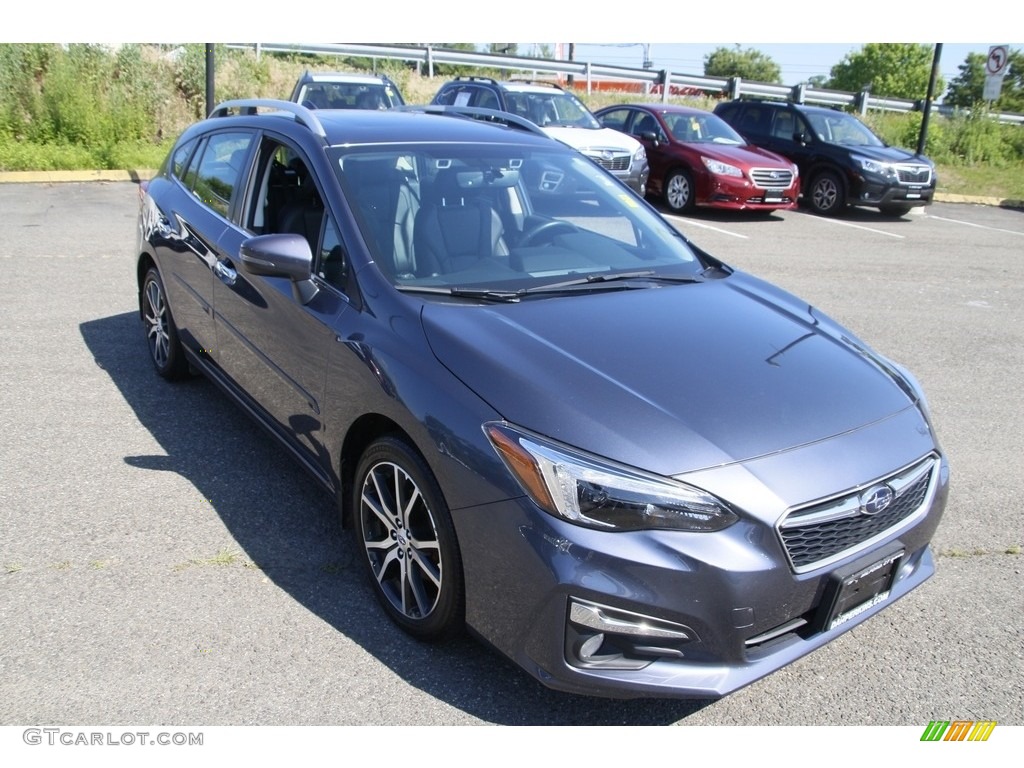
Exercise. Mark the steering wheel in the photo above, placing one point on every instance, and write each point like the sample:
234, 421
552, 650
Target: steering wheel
546, 228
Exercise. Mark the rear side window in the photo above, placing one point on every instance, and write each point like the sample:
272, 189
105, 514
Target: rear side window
220, 169
616, 120
755, 120
180, 158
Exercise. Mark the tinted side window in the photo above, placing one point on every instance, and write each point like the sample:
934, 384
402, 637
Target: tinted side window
616, 119
220, 169
755, 120
485, 97
181, 156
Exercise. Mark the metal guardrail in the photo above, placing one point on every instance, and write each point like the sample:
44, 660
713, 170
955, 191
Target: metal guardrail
660, 82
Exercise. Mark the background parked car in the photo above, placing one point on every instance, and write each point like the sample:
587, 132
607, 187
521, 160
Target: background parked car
559, 114
697, 159
343, 90
841, 161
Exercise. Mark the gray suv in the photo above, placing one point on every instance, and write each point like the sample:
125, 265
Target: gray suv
841, 161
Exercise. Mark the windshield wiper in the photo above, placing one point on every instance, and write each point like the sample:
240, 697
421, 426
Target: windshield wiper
600, 280
485, 294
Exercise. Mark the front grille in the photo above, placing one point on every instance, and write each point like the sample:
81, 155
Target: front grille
771, 178
827, 531
610, 161
914, 174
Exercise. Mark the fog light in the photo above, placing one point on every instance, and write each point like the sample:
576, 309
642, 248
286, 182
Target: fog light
612, 638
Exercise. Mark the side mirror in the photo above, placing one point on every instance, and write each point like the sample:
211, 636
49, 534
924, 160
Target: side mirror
650, 136
800, 137
281, 255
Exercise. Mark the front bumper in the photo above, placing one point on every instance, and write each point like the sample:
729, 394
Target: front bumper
871, 193
635, 178
699, 615
738, 194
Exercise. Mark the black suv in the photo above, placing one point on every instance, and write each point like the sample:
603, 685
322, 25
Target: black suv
560, 115
841, 161
346, 90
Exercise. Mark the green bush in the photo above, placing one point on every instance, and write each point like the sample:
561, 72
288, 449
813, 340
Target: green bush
90, 106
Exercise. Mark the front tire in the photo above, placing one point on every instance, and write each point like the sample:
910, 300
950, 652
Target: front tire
828, 196
408, 541
679, 191
165, 348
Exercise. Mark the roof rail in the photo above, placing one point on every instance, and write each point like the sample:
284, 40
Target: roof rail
477, 113
252, 106
533, 81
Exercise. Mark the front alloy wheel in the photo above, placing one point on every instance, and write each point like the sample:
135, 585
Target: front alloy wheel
827, 194
408, 538
679, 191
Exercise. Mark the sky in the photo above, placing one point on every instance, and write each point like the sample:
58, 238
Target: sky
798, 61
804, 41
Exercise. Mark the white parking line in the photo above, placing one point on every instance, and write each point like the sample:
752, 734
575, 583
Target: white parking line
705, 226
972, 224
857, 226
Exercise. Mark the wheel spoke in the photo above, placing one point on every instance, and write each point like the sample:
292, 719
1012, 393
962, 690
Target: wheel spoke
427, 567
423, 603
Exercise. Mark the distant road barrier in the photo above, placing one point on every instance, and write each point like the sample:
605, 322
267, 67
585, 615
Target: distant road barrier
657, 82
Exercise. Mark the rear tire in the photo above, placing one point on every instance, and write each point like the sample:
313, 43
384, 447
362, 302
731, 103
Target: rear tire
165, 348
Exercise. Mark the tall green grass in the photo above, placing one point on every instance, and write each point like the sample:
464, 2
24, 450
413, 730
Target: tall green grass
93, 107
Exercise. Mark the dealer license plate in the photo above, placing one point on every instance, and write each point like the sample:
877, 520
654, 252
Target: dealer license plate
772, 196
857, 588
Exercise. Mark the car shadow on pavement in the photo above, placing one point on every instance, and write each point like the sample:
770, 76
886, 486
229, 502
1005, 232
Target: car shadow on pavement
288, 528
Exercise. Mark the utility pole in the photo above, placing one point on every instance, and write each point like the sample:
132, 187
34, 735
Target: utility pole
922, 138
209, 78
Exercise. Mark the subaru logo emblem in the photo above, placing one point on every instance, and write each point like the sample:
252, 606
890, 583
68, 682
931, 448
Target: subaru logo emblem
775, 174
876, 499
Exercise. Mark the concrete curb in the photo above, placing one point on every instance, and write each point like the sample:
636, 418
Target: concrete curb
144, 174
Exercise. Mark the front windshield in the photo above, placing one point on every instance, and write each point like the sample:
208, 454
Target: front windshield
501, 217
551, 109
702, 129
840, 128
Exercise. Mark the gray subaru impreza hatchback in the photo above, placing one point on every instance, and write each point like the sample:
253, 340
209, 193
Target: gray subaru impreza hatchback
546, 415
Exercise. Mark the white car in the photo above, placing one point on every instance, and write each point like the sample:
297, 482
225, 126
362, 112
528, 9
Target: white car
561, 115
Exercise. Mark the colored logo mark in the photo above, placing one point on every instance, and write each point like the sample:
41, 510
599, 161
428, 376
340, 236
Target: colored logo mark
958, 730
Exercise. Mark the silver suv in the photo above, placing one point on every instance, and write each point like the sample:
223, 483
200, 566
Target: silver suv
560, 115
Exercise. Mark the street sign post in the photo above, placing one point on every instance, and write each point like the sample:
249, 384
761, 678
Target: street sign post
995, 69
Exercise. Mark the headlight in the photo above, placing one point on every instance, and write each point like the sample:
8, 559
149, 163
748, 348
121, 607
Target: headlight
875, 167
597, 493
640, 156
722, 169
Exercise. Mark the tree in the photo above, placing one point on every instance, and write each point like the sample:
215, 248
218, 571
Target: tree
749, 64
965, 90
506, 49
899, 70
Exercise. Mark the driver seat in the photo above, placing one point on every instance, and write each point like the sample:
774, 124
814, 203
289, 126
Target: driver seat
456, 228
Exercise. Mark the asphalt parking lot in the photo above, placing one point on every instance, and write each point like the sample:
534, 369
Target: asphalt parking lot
161, 561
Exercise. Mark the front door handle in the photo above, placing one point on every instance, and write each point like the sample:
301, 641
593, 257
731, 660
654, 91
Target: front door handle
226, 274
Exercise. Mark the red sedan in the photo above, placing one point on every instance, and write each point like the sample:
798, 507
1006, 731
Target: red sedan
697, 159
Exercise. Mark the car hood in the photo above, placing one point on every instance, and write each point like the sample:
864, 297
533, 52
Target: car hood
669, 379
886, 154
593, 138
742, 156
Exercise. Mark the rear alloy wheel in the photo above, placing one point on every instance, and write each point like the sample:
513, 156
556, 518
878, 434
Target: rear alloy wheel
161, 333
679, 192
406, 533
827, 195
